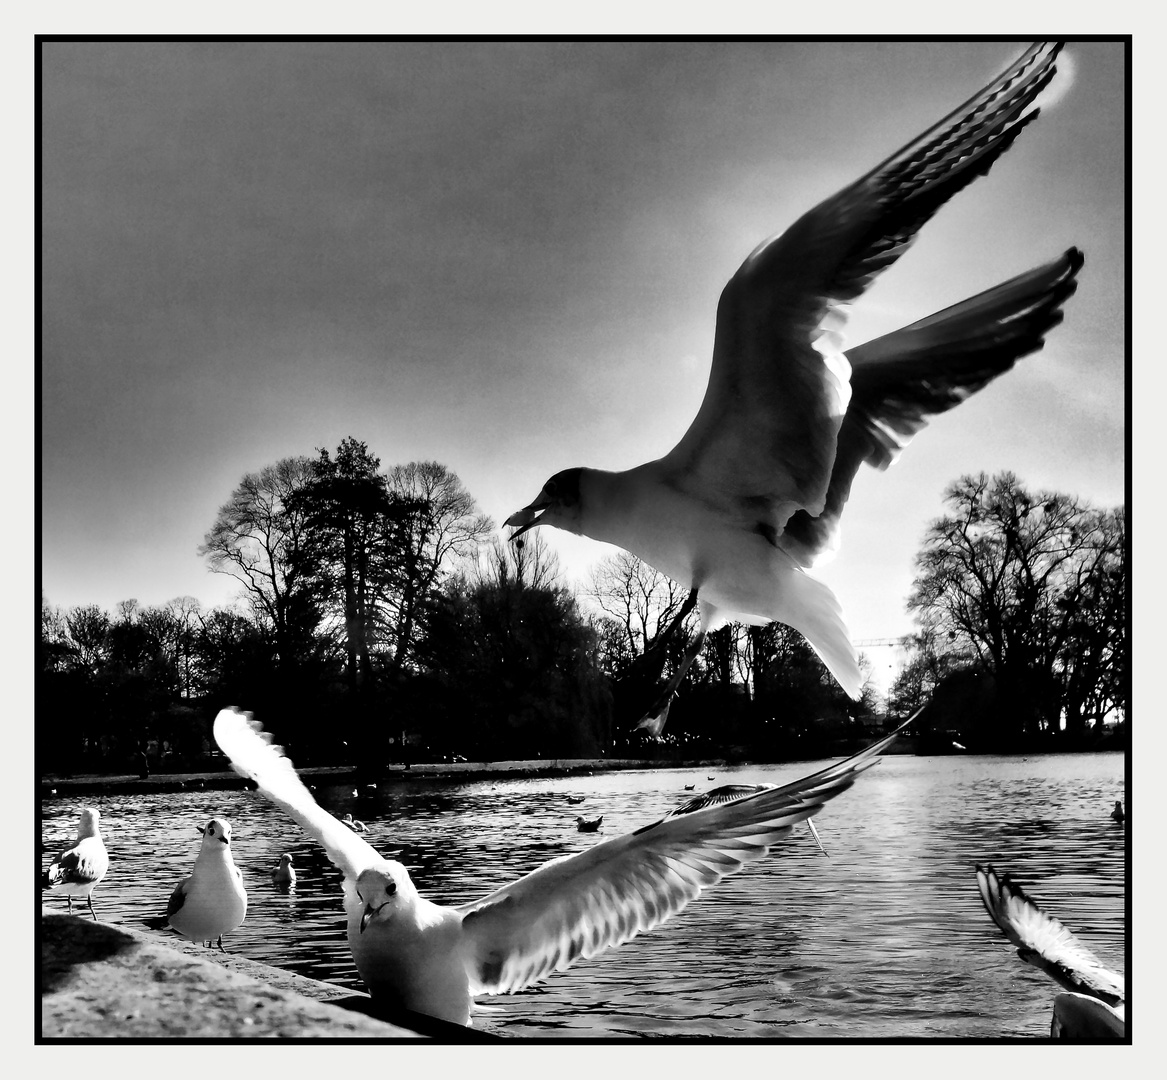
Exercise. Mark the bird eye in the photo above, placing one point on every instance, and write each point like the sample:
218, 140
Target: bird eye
210, 830
551, 487
392, 888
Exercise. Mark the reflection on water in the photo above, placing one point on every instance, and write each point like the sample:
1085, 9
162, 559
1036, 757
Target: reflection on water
885, 938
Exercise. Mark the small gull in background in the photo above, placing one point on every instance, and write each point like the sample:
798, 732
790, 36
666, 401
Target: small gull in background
584, 825
752, 495
76, 871
428, 958
352, 823
1117, 812
1095, 1007
212, 901
284, 875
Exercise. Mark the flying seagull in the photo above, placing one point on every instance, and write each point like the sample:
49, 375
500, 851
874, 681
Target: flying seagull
77, 870
1095, 1006
433, 959
752, 495
212, 901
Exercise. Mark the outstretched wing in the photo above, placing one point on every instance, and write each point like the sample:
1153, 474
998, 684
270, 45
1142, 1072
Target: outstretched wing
253, 755
580, 904
1044, 942
899, 381
778, 389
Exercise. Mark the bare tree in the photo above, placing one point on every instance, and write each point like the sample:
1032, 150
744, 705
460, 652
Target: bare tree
1033, 587
441, 523
259, 538
640, 600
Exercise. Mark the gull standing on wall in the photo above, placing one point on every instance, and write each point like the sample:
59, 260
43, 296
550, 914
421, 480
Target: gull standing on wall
751, 496
77, 870
212, 901
433, 959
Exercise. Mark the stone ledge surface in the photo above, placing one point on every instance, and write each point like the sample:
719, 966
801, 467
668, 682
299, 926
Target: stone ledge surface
104, 982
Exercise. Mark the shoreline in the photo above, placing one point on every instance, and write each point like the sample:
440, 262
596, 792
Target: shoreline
445, 772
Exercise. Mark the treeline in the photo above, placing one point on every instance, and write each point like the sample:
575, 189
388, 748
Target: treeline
381, 618
1023, 603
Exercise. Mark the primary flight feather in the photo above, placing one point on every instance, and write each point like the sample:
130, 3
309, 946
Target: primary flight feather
752, 494
434, 959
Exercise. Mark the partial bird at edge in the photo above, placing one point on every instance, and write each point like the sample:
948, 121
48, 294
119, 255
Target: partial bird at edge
1094, 1008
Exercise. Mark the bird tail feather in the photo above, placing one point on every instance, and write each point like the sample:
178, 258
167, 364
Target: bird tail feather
813, 610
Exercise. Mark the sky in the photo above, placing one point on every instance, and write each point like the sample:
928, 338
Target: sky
507, 258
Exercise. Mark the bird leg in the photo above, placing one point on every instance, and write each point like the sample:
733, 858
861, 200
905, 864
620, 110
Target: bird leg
69, 901
652, 718
89, 899
641, 681
221, 949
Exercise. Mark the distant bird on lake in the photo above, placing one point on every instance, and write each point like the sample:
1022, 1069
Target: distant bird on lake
284, 875
78, 869
575, 799
1117, 812
212, 901
584, 825
417, 955
1095, 1008
352, 823
690, 787
753, 493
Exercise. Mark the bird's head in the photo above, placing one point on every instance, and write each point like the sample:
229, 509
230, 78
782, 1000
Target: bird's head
216, 831
285, 859
558, 504
382, 891
90, 817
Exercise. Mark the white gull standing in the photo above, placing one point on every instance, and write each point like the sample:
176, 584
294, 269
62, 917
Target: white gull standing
212, 901
433, 959
77, 870
1095, 1008
752, 494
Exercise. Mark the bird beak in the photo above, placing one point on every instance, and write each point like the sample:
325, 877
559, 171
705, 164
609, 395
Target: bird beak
528, 517
199, 829
366, 917
225, 839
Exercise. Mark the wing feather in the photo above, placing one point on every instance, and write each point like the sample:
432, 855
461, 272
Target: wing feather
902, 379
578, 905
84, 863
252, 754
778, 389
177, 898
1044, 942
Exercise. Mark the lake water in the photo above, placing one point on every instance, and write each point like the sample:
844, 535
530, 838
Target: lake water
885, 938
